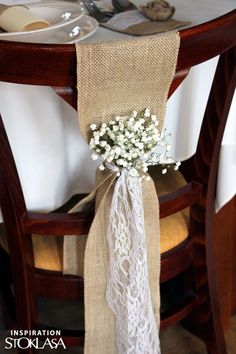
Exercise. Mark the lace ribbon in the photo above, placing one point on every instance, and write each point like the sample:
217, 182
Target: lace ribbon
128, 293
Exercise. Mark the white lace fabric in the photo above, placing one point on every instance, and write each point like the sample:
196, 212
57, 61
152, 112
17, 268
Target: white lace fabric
128, 293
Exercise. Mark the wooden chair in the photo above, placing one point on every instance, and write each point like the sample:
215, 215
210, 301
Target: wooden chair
195, 252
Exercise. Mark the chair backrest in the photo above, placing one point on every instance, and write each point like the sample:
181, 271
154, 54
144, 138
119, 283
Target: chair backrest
55, 65
39, 65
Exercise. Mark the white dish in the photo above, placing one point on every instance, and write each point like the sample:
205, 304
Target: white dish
73, 32
84, 28
60, 15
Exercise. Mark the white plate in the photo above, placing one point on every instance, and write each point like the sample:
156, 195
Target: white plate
84, 28
69, 34
60, 15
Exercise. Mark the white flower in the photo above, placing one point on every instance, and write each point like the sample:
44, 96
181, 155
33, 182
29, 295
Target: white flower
136, 126
142, 121
112, 135
110, 158
129, 135
121, 126
140, 145
120, 162
103, 131
145, 169
177, 164
92, 144
164, 171
93, 126
124, 154
117, 150
147, 113
103, 143
94, 157
154, 118
96, 134
96, 140
101, 167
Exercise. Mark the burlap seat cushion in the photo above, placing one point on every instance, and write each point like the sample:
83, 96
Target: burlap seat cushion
48, 251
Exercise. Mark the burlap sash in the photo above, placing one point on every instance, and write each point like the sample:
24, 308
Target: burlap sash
99, 320
116, 78
148, 27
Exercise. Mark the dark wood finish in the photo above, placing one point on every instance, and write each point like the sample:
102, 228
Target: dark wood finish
225, 235
40, 66
178, 200
179, 312
43, 280
181, 259
232, 235
56, 223
205, 172
198, 44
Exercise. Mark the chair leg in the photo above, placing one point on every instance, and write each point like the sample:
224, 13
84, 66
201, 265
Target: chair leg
25, 310
208, 319
16, 310
25, 304
6, 296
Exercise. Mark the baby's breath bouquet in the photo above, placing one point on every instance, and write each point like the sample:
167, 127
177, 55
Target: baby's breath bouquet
132, 142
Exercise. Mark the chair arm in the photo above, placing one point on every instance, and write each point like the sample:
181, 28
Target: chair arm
57, 223
180, 199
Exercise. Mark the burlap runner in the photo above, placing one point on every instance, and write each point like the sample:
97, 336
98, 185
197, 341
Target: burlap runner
116, 78
148, 27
